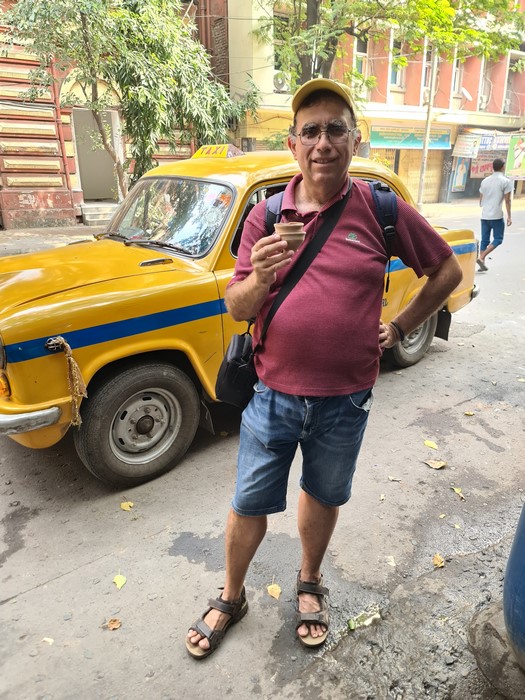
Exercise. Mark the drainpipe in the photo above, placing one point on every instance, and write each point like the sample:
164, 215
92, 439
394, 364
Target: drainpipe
58, 112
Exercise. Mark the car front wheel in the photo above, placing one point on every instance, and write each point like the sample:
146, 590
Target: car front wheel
415, 344
139, 424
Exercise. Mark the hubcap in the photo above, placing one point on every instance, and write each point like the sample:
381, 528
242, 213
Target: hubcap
415, 340
145, 426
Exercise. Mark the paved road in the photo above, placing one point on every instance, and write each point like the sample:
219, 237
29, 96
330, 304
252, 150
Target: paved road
66, 537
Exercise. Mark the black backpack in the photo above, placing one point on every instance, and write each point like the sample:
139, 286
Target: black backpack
385, 211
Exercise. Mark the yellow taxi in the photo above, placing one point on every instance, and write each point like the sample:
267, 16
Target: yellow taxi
122, 337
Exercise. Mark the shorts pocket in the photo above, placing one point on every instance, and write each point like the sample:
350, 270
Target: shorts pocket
362, 399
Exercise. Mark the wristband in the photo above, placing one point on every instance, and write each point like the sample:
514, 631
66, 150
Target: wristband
398, 330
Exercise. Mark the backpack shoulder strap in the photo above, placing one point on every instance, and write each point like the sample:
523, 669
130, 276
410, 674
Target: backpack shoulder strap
273, 210
385, 202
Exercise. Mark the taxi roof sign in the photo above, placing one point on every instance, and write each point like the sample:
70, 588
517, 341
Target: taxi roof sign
223, 150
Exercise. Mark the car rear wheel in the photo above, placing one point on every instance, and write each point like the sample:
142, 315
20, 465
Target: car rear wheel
415, 344
139, 424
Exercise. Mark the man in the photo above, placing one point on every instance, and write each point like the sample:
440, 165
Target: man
493, 190
320, 356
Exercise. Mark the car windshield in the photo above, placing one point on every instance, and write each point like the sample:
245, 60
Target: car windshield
177, 213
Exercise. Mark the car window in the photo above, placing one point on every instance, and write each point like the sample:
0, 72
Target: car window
259, 195
175, 212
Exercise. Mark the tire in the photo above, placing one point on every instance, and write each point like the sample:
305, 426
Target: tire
114, 442
415, 345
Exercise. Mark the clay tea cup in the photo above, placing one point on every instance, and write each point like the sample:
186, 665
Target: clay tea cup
293, 233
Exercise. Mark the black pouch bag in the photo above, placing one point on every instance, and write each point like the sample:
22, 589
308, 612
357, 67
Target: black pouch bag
237, 375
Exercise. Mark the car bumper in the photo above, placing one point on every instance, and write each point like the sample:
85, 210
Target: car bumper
26, 422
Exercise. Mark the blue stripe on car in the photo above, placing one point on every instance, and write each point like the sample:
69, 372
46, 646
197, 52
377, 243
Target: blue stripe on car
461, 249
33, 349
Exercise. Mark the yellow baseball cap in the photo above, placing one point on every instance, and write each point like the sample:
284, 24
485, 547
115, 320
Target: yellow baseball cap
316, 84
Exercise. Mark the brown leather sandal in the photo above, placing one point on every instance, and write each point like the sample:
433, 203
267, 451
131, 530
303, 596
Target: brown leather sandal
313, 618
237, 609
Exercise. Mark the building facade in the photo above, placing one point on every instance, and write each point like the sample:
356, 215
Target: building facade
50, 174
476, 107
51, 171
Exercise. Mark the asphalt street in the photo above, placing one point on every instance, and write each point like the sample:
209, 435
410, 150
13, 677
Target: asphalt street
66, 538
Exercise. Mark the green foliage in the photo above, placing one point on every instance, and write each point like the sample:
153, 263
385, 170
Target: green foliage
142, 50
307, 43
276, 141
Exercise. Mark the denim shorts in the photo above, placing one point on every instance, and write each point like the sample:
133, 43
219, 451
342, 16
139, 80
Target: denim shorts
497, 226
329, 431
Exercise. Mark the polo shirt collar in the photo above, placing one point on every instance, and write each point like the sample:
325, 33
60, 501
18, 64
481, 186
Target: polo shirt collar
289, 195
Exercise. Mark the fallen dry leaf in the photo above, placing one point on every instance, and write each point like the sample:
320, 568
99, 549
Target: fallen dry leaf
127, 505
391, 561
457, 490
393, 478
364, 619
48, 640
113, 623
119, 581
436, 463
457, 526
443, 515
469, 413
438, 561
430, 443
274, 590
521, 379
382, 497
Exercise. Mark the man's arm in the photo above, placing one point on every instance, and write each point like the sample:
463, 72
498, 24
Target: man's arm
442, 280
508, 201
244, 299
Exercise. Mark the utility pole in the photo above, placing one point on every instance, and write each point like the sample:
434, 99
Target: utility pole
426, 140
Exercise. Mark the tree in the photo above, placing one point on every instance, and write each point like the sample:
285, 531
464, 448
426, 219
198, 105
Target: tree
309, 32
146, 52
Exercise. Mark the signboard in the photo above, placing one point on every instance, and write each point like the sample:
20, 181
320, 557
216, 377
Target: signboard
482, 166
399, 137
488, 141
515, 165
459, 180
223, 150
496, 141
467, 146
500, 142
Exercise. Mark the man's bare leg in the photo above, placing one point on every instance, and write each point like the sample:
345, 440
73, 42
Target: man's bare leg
486, 252
243, 537
316, 524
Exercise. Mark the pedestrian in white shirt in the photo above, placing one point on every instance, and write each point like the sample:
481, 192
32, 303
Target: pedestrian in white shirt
493, 191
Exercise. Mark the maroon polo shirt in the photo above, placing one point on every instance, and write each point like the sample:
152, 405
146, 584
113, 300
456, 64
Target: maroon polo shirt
324, 339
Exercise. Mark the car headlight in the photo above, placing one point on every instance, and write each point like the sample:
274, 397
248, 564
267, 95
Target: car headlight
3, 359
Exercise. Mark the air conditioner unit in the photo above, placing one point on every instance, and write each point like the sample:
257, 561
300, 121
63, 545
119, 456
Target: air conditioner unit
281, 81
483, 101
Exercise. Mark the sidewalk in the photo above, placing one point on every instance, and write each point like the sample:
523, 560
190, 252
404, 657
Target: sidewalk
15, 241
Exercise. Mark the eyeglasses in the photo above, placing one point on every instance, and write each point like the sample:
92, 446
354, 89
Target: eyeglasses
336, 133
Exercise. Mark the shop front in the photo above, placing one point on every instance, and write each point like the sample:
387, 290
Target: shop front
473, 155
400, 147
